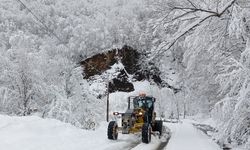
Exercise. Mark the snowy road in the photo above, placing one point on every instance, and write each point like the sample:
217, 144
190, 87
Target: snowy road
186, 137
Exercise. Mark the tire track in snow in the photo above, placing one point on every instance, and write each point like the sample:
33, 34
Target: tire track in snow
165, 138
126, 142
133, 142
156, 143
131, 146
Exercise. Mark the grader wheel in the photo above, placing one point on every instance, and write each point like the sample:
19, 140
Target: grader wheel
112, 130
146, 133
158, 126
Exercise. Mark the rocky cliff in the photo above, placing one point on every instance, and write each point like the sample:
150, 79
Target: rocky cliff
134, 66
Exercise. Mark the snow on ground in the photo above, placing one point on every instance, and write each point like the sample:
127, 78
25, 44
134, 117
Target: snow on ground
186, 137
34, 133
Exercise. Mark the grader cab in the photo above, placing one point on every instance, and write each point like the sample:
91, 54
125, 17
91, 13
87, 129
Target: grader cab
140, 117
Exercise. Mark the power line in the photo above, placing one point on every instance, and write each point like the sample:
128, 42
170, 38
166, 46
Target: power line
52, 32
37, 18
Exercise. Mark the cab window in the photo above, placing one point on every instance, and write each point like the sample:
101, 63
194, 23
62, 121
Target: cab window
145, 102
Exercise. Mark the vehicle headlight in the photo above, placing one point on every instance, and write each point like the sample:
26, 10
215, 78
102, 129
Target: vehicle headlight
116, 113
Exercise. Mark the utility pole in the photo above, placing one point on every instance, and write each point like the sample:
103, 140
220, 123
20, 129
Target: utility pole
177, 106
185, 107
107, 113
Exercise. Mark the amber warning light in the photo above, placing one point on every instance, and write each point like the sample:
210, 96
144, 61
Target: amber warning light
142, 94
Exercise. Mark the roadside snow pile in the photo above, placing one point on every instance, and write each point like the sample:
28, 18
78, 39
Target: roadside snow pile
34, 133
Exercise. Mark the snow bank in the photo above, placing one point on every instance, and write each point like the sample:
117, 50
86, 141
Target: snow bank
34, 133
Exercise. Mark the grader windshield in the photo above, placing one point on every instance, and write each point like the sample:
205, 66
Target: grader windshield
143, 102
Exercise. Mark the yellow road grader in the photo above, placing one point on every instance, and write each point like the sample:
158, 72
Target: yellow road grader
140, 117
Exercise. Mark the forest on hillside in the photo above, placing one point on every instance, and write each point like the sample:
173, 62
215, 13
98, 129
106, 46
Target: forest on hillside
201, 47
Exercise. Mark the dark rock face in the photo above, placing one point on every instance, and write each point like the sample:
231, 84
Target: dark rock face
103, 61
98, 63
133, 64
130, 59
121, 83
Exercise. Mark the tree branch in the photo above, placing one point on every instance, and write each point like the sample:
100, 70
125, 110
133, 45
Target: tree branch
195, 9
226, 7
192, 3
210, 14
178, 36
182, 15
